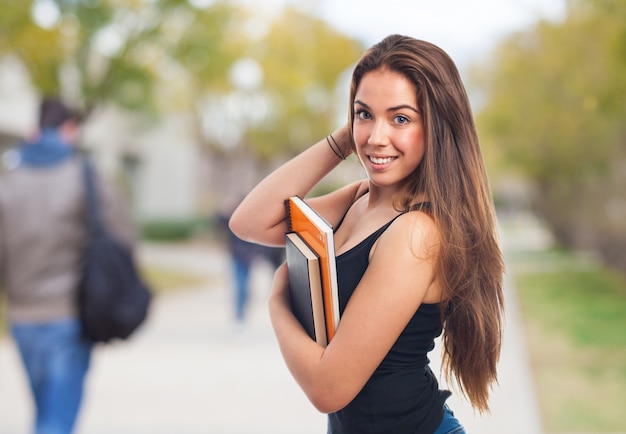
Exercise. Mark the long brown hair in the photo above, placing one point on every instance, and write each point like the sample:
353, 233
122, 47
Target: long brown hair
453, 178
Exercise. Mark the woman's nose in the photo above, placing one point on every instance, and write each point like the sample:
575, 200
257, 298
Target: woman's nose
379, 135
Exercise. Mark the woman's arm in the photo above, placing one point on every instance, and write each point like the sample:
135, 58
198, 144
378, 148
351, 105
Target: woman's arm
399, 278
260, 217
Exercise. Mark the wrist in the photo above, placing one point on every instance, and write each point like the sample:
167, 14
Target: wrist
339, 141
334, 146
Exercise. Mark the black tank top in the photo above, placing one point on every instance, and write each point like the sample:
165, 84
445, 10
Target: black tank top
402, 396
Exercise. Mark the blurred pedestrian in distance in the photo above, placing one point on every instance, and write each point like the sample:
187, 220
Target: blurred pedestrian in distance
243, 256
42, 235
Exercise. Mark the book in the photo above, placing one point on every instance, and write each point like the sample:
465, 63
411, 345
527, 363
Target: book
305, 287
317, 233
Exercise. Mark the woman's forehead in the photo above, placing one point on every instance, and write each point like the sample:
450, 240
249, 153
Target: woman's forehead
385, 87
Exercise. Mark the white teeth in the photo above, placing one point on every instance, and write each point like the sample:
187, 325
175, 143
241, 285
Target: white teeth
385, 160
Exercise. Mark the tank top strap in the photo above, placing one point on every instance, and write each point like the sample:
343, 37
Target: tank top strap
348, 209
417, 207
371, 239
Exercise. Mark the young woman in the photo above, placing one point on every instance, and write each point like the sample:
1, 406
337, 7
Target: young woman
417, 249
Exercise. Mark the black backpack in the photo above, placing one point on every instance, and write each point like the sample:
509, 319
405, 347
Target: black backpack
113, 299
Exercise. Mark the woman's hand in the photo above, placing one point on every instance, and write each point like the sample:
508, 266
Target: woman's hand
261, 218
280, 287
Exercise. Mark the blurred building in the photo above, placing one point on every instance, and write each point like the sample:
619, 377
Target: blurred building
160, 165
169, 175
18, 103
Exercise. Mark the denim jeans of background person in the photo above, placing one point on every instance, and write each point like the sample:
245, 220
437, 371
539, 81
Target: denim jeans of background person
43, 232
56, 360
243, 256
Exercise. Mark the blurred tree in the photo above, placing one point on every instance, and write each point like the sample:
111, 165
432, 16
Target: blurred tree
122, 51
251, 87
303, 60
98, 51
286, 93
555, 112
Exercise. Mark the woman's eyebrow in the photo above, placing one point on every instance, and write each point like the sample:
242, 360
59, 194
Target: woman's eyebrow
390, 109
403, 106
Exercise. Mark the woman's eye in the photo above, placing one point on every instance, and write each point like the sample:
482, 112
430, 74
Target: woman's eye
401, 119
362, 114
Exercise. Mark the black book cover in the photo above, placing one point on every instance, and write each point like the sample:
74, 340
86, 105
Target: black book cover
305, 287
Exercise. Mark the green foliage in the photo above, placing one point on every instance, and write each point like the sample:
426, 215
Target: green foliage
302, 59
169, 229
555, 95
575, 317
14, 20
588, 305
114, 51
163, 56
555, 112
163, 280
206, 48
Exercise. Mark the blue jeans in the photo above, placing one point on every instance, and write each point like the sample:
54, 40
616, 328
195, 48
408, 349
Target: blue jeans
56, 360
242, 282
449, 424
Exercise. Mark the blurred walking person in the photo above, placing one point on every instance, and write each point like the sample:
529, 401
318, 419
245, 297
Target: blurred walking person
243, 255
42, 235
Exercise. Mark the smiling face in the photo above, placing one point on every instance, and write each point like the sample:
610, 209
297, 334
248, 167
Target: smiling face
388, 129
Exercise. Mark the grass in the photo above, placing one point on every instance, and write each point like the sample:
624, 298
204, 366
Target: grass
163, 280
575, 319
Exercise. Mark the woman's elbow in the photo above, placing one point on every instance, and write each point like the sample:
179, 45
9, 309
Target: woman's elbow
256, 230
329, 401
240, 226
325, 408
236, 226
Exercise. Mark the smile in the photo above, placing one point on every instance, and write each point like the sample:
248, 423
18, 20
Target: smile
381, 160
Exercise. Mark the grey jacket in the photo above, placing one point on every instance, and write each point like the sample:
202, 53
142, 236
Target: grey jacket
42, 234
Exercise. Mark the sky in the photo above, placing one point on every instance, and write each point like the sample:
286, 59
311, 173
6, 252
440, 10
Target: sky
466, 29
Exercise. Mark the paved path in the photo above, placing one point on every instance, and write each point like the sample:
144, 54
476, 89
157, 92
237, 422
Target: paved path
190, 371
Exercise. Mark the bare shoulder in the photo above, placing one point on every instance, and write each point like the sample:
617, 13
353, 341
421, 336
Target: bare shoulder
414, 234
409, 250
418, 228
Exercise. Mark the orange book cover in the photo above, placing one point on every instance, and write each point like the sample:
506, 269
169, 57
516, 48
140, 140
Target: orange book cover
318, 234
